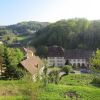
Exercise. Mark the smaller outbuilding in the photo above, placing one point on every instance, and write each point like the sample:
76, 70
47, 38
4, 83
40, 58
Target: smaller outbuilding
31, 64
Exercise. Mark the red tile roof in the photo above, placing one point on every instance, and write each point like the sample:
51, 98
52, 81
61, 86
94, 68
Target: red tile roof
55, 51
78, 54
30, 64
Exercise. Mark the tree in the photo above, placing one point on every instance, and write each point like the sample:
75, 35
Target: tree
8, 37
95, 60
1, 58
42, 51
45, 74
54, 76
95, 67
12, 57
67, 69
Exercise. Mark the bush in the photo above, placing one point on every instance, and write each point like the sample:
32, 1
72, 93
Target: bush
67, 69
96, 80
54, 76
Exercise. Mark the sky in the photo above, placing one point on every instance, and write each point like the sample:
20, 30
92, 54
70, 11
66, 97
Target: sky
14, 11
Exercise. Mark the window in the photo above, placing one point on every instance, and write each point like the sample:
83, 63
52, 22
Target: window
74, 60
59, 57
78, 59
71, 59
83, 59
59, 60
60, 64
51, 57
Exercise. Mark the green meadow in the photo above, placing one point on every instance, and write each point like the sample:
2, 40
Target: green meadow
80, 85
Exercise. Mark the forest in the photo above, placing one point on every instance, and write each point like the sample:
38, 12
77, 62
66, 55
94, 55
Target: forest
70, 34
77, 33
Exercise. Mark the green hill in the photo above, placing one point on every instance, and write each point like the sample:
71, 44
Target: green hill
23, 27
71, 87
70, 34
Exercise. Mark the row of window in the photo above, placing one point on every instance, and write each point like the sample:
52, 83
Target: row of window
69, 59
56, 57
76, 60
58, 64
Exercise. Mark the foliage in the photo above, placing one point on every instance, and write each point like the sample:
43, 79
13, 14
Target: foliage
96, 80
45, 73
1, 58
12, 59
54, 76
42, 51
95, 60
77, 79
9, 37
23, 27
80, 84
22, 32
70, 34
18, 89
9, 60
67, 69
57, 92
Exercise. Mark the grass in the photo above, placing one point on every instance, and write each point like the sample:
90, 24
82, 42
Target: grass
18, 90
80, 84
77, 79
14, 98
56, 92
23, 37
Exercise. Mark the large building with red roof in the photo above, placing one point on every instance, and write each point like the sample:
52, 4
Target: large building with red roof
57, 56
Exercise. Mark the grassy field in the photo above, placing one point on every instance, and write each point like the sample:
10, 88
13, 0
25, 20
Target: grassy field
78, 85
77, 79
18, 90
57, 92
23, 37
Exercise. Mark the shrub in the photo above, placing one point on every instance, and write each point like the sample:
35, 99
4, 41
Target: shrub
54, 76
67, 69
96, 80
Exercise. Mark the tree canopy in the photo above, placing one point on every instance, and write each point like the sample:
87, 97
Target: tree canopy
70, 34
9, 60
95, 60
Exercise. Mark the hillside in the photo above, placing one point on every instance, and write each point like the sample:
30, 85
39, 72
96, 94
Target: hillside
70, 34
23, 27
78, 85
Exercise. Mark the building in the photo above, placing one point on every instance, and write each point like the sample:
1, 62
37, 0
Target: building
57, 56
31, 64
77, 57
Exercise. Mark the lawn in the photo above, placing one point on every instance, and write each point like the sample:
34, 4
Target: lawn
77, 79
57, 92
18, 90
22, 37
79, 85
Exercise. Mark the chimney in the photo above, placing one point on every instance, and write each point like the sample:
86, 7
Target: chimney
29, 53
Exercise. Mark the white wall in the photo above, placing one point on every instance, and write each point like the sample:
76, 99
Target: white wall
56, 61
60, 61
78, 61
